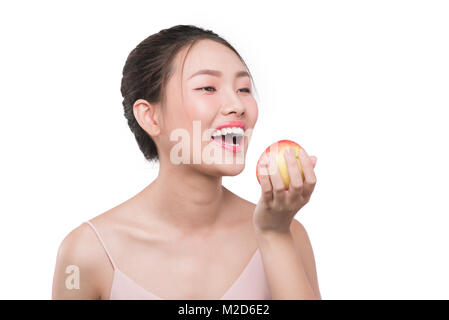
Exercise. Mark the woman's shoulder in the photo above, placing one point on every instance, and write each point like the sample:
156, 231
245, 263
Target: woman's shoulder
77, 245
79, 260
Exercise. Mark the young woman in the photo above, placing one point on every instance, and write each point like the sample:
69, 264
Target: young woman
185, 236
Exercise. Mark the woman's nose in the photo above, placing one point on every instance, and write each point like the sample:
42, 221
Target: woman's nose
234, 106
237, 108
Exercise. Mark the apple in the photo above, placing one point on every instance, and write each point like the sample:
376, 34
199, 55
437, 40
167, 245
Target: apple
277, 150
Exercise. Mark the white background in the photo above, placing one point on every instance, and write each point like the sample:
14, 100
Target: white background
362, 85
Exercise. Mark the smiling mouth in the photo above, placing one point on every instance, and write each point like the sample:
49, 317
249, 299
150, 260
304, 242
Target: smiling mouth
231, 136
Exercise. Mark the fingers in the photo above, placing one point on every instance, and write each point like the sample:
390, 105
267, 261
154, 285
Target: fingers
309, 174
279, 191
265, 183
271, 180
296, 184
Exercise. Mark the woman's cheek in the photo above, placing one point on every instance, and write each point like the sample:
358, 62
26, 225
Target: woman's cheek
252, 110
200, 107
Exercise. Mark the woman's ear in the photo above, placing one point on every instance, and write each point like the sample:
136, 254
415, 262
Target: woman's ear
147, 115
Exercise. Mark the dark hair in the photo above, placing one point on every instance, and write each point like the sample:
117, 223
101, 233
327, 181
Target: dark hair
148, 69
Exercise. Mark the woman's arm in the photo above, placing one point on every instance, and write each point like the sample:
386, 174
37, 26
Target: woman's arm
305, 252
289, 264
285, 248
77, 264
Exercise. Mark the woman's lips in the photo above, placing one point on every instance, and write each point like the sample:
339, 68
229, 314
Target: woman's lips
234, 123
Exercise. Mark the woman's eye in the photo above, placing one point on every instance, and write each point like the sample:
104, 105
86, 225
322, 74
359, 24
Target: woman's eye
206, 88
247, 89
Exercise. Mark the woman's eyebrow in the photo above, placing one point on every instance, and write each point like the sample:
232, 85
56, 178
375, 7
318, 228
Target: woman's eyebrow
217, 73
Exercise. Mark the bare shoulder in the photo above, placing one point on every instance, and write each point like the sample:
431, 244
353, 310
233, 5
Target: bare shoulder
79, 261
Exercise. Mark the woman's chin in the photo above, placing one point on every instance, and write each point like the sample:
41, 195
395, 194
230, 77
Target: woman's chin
230, 169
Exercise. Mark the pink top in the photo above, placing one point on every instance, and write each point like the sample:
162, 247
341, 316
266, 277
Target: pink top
250, 285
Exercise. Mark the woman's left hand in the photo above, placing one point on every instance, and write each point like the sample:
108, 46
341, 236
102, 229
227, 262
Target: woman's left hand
277, 206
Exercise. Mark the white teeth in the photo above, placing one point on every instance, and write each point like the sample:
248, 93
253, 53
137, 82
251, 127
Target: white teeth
233, 130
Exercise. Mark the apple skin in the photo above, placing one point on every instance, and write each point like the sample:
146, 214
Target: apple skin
278, 149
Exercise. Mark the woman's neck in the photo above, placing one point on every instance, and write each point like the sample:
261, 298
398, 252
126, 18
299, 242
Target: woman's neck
187, 200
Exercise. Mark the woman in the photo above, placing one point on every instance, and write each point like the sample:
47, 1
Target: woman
185, 236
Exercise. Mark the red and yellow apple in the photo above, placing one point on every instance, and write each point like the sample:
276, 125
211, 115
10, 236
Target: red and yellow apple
277, 150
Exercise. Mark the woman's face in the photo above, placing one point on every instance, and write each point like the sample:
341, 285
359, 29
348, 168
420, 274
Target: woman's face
199, 103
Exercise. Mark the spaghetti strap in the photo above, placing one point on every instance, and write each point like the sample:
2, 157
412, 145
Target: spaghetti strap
102, 243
